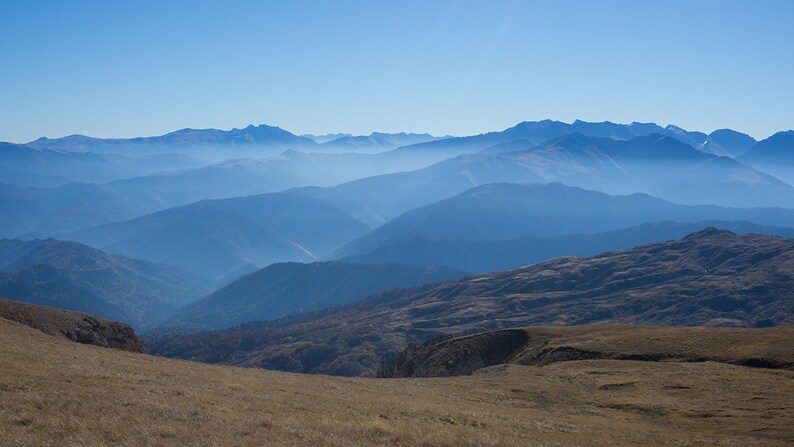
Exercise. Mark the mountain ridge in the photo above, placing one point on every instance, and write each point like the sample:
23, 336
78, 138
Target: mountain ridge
283, 289
710, 278
76, 277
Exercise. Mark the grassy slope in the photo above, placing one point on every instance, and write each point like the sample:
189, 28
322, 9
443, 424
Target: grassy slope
56, 392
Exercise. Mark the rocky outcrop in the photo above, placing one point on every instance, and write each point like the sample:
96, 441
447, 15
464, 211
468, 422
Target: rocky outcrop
543, 346
75, 326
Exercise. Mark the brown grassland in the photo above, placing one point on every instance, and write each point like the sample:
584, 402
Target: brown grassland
55, 392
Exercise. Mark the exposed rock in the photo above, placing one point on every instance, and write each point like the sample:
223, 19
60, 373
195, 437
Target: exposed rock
75, 326
542, 346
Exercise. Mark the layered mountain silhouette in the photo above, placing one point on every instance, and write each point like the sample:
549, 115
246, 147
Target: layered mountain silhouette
210, 143
260, 140
657, 165
23, 165
377, 141
248, 176
72, 276
481, 256
661, 166
531, 133
503, 211
38, 212
223, 239
710, 278
289, 288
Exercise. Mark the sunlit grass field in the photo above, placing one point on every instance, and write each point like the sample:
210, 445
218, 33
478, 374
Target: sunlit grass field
54, 392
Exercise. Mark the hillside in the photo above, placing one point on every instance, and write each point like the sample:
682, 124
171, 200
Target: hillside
503, 211
486, 256
74, 326
541, 346
709, 278
221, 238
57, 392
288, 288
72, 276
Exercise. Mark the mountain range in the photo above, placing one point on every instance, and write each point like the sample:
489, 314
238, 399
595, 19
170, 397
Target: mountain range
148, 177
224, 239
23, 165
256, 141
504, 211
481, 256
377, 141
206, 143
724, 142
657, 165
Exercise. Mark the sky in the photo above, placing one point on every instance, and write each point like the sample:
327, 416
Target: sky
122, 69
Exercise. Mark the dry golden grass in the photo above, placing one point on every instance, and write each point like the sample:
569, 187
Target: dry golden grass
53, 392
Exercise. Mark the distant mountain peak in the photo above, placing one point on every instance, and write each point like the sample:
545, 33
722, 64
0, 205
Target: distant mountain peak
578, 121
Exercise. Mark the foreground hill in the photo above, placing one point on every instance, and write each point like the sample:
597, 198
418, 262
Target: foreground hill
487, 256
219, 239
503, 211
72, 276
60, 393
768, 348
709, 278
75, 326
288, 288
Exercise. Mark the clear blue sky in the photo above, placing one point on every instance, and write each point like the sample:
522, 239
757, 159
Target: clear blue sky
110, 68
